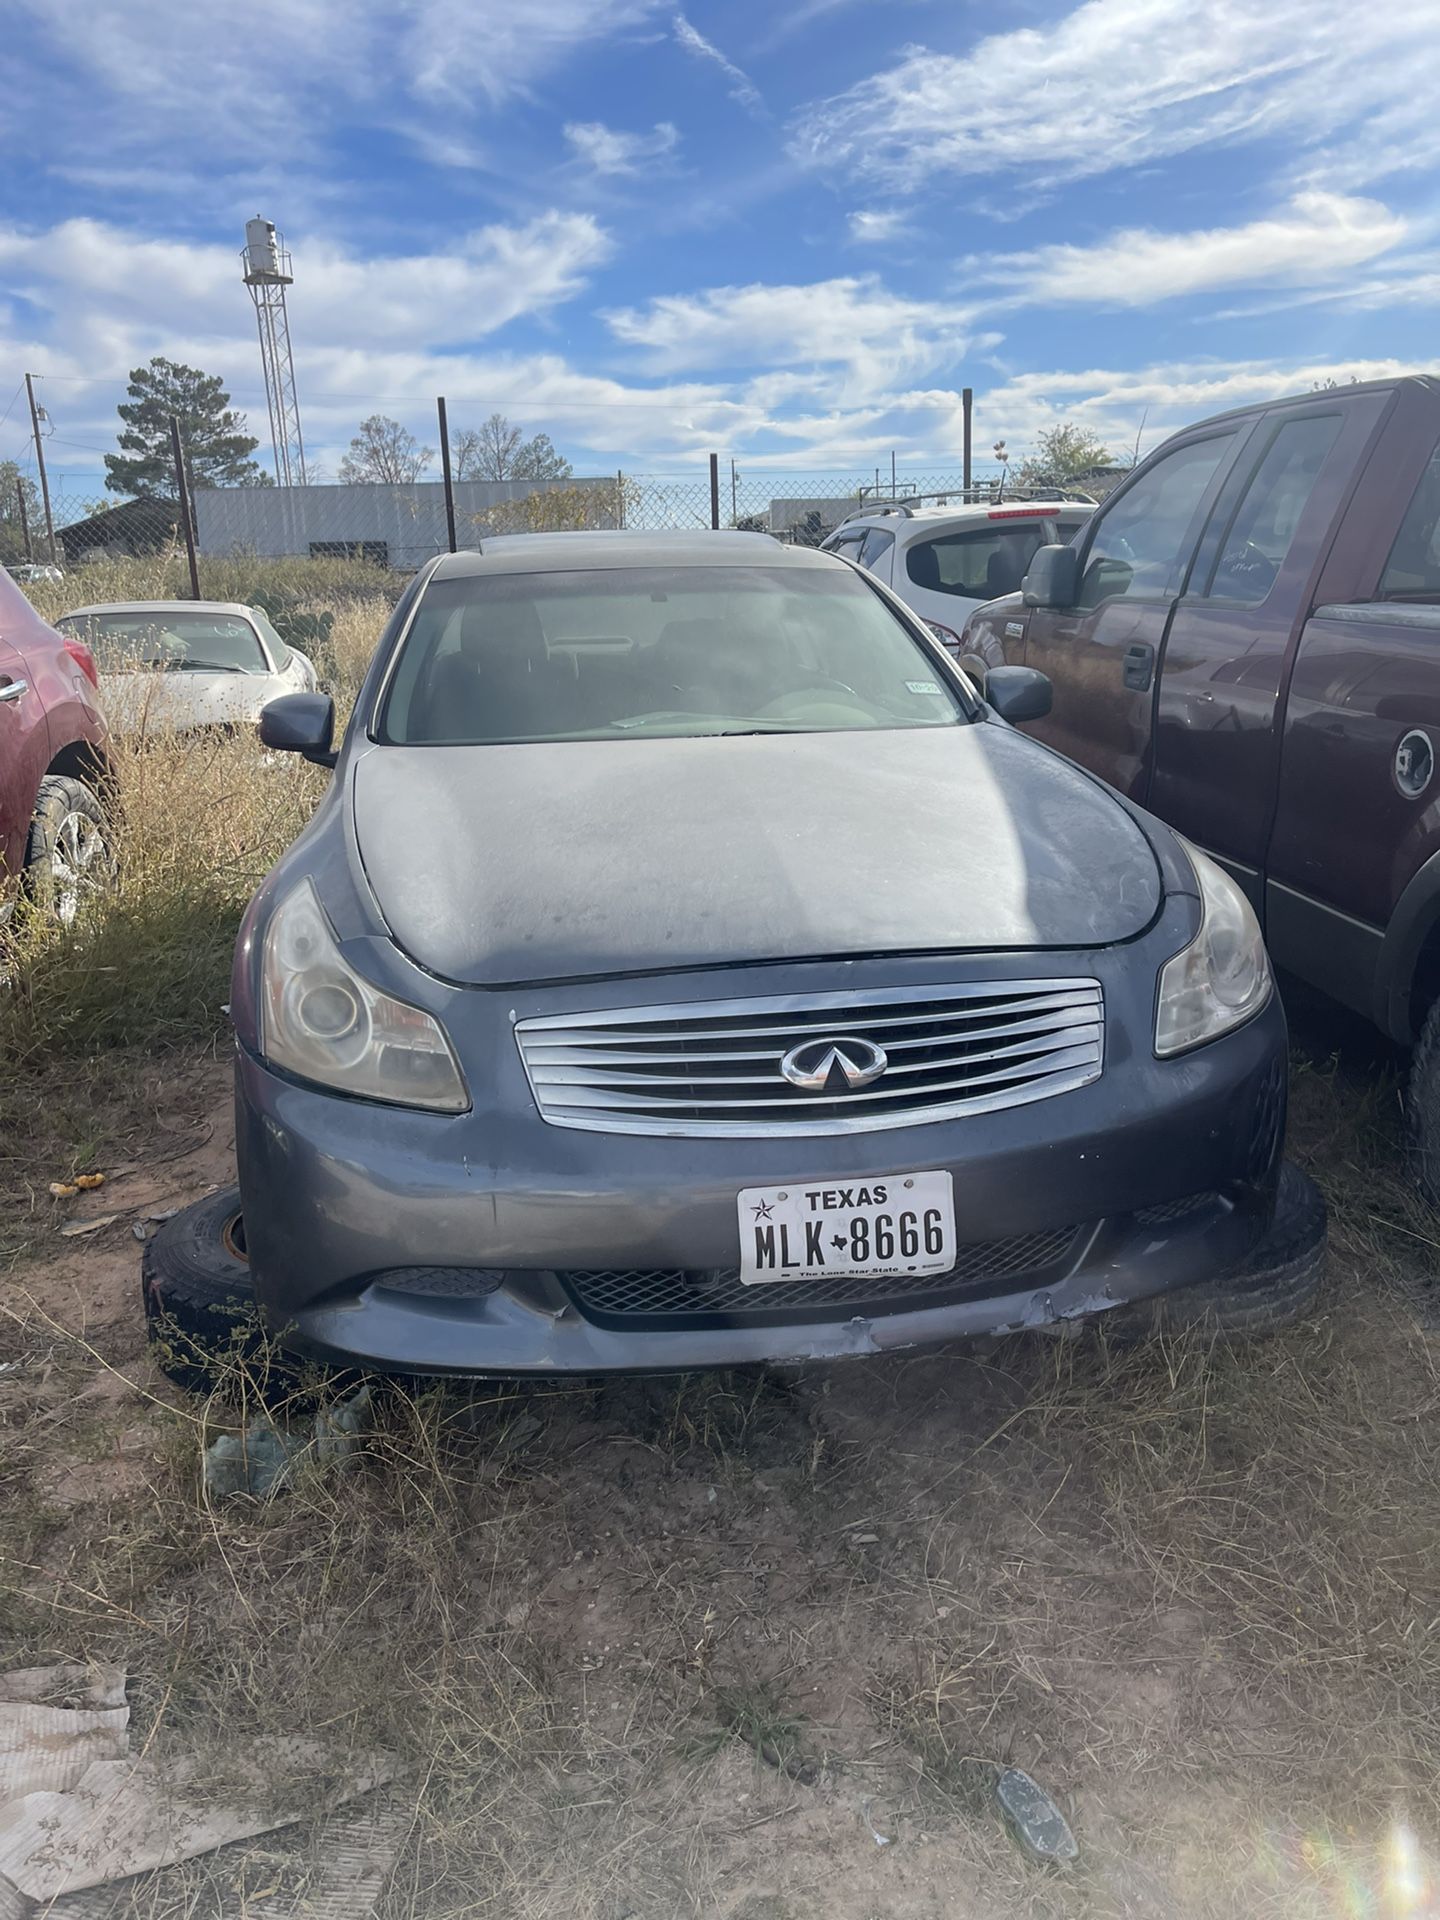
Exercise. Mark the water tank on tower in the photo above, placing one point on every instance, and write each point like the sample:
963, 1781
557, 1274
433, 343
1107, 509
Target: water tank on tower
264, 260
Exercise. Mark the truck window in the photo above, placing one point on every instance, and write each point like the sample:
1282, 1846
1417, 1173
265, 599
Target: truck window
1142, 543
979, 566
1413, 570
1270, 510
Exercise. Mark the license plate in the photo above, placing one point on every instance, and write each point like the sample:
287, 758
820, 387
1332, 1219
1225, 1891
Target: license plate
902, 1224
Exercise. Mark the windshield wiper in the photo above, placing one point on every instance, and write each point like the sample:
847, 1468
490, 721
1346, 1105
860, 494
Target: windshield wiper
207, 666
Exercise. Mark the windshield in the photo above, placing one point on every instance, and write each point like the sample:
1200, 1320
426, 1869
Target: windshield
191, 642
661, 651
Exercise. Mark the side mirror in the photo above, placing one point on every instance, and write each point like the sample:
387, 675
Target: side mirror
1053, 579
302, 723
1019, 693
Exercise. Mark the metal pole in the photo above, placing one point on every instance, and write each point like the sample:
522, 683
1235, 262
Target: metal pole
734, 494
24, 518
893, 488
620, 497
40, 462
182, 489
445, 468
967, 406
715, 491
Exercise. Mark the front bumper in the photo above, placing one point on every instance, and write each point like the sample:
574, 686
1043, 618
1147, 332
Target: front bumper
1158, 1175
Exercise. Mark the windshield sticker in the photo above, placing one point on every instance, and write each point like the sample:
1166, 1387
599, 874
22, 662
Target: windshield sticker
922, 686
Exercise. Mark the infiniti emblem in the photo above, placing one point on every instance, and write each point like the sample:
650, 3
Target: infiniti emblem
833, 1066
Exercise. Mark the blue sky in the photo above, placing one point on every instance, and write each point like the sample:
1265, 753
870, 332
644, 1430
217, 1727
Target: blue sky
788, 233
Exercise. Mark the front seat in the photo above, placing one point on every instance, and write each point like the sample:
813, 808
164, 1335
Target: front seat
497, 685
1003, 572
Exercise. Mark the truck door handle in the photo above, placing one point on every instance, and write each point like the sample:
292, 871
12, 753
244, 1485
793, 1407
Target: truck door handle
13, 689
1138, 667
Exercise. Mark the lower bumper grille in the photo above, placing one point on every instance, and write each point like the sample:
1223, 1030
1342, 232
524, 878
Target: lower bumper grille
673, 1296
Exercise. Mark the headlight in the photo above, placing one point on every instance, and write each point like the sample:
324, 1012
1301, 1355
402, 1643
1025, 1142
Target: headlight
1222, 978
322, 1022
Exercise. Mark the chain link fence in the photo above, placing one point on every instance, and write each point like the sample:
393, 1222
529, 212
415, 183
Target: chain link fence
397, 528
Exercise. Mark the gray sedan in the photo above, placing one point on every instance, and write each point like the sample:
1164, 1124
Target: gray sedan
686, 967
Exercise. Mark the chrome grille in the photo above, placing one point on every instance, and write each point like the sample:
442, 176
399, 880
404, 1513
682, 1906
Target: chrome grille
713, 1066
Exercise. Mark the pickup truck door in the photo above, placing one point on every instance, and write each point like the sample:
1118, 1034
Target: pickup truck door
1358, 811
1101, 654
24, 751
1217, 740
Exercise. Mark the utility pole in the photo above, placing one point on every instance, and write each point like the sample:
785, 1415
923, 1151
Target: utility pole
35, 413
24, 517
967, 405
734, 494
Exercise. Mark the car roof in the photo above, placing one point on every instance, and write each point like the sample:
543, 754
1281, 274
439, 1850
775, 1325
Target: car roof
164, 606
572, 552
968, 514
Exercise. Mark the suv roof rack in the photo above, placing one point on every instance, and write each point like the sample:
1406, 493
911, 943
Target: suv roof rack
904, 505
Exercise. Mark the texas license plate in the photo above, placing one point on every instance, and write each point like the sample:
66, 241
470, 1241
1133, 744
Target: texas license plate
877, 1228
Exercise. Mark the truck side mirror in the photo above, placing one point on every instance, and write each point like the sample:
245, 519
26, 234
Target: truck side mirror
302, 723
1053, 579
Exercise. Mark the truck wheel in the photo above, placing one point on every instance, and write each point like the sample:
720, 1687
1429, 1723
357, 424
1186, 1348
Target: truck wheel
67, 854
1274, 1288
203, 1323
1422, 1109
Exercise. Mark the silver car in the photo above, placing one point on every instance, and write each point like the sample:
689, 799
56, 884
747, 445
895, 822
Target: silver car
686, 967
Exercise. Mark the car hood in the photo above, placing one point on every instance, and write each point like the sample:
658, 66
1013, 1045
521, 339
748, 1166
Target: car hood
503, 864
165, 701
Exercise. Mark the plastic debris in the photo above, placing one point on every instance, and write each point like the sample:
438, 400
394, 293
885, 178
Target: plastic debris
1034, 1819
87, 1182
77, 1227
77, 1813
139, 1229
64, 1189
880, 1839
264, 1459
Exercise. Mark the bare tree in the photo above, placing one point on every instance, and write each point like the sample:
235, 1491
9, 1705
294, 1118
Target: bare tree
383, 453
499, 450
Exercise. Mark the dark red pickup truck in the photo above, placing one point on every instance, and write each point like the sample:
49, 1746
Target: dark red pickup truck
1245, 638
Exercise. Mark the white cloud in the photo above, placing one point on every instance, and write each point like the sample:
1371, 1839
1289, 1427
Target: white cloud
1116, 83
742, 87
1316, 238
854, 322
266, 79
609, 150
874, 225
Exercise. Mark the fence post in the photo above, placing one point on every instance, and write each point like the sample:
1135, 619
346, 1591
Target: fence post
967, 404
715, 492
182, 491
445, 468
620, 497
24, 518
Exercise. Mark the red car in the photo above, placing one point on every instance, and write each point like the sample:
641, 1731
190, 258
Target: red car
54, 762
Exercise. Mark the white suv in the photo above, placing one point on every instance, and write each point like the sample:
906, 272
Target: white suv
944, 561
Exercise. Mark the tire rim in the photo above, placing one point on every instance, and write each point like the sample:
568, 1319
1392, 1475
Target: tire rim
232, 1234
79, 845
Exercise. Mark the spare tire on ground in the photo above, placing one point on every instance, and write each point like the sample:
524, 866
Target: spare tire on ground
203, 1322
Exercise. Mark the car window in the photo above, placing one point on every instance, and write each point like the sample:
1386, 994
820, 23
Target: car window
1269, 513
171, 639
979, 564
1413, 570
1141, 545
625, 653
279, 651
847, 544
874, 549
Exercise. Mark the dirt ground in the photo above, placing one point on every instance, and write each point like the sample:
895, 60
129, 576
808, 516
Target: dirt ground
755, 1645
